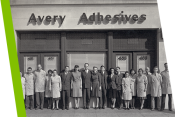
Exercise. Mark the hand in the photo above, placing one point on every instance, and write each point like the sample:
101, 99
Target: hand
91, 88
100, 88
144, 90
80, 87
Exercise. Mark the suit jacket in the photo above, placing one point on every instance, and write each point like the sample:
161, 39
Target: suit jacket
104, 80
111, 82
66, 80
119, 81
86, 79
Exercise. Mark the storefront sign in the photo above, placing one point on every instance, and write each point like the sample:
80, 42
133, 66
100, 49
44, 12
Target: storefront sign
46, 19
97, 18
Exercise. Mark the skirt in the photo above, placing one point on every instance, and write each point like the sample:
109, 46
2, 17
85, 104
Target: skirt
95, 90
112, 93
55, 99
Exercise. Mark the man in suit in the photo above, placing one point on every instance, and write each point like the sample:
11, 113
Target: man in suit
86, 83
119, 87
104, 76
66, 83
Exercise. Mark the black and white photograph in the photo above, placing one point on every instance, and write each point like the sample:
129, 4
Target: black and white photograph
98, 58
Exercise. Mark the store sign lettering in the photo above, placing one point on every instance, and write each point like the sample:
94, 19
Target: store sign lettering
46, 19
98, 18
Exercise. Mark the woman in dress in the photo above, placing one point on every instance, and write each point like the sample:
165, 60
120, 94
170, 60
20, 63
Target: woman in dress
127, 92
76, 86
55, 88
96, 85
23, 84
47, 91
141, 87
111, 81
156, 90
133, 76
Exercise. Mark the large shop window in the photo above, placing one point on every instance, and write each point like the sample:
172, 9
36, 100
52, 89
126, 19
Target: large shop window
30, 61
95, 59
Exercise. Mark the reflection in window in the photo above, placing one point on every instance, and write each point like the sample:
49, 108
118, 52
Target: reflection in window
50, 62
143, 61
122, 61
79, 59
30, 61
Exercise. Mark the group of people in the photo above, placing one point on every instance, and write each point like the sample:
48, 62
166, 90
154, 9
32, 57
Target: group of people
116, 86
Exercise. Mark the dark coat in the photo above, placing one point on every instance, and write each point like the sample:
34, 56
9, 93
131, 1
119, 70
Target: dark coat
119, 81
86, 79
111, 82
66, 80
104, 80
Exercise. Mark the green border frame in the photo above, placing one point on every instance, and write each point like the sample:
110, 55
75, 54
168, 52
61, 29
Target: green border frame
13, 58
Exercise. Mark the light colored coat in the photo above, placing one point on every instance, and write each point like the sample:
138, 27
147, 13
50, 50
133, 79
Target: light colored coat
133, 85
29, 84
127, 92
23, 86
156, 90
40, 78
166, 84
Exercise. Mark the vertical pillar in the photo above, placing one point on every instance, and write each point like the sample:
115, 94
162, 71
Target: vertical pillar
110, 49
63, 50
157, 43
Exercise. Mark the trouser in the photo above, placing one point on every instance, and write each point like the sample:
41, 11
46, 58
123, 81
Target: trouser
49, 101
103, 98
169, 101
65, 98
39, 99
119, 98
158, 102
86, 97
29, 101
148, 101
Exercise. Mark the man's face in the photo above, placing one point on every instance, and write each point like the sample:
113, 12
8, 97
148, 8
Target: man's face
155, 70
86, 66
112, 70
102, 69
117, 69
39, 67
126, 75
147, 69
55, 72
29, 71
66, 69
166, 66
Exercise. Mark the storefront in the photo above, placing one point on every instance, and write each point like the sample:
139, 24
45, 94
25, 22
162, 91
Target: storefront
111, 34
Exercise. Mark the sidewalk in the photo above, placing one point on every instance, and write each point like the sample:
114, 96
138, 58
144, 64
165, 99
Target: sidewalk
99, 113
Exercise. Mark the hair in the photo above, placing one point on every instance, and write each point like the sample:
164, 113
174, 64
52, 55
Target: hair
87, 64
50, 71
29, 68
67, 66
156, 67
126, 72
54, 70
141, 70
76, 66
132, 70
165, 63
117, 67
110, 70
102, 66
95, 67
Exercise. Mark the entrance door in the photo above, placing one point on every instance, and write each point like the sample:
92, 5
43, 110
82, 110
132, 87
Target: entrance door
47, 61
123, 60
143, 60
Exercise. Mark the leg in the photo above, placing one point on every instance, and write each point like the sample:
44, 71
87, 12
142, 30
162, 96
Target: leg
63, 97
84, 98
163, 101
100, 102
159, 103
31, 101
37, 100
114, 102
27, 102
97, 102
142, 103
67, 99
120, 99
42, 99
170, 102
57, 102
88, 98
133, 102
75, 102
104, 99
53, 104
125, 104
78, 102
152, 103
128, 103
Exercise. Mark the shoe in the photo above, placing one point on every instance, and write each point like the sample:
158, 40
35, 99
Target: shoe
170, 110
84, 107
67, 108
152, 109
41, 108
63, 108
36, 108
31, 108
87, 107
128, 108
133, 107
53, 108
57, 108
103, 107
77, 107
100, 107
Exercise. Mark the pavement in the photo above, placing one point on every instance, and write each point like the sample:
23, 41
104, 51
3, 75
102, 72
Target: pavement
99, 113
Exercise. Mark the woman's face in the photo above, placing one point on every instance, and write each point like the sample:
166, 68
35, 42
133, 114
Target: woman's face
155, 70
95, 69
132, 72
126, 75
112, 71
77, 68
140, 72
50, 73
55, 73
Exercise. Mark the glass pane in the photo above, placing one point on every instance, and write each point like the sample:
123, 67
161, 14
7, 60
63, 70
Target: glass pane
122, 61
79, 59
30, 61
50, 62
143, 61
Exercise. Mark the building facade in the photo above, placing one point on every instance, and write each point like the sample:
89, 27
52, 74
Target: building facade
112, 33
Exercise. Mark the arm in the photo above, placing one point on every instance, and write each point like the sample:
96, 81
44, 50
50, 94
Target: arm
123, 87
60, 84
146, 83
99, 77
50, 84
80, 82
